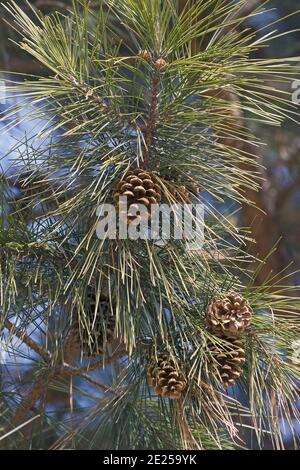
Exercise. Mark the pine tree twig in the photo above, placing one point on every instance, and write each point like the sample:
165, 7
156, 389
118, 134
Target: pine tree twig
71, 371
42, 383
118, 354
24, 337
152, 118
38, 388
66, 368
91, 95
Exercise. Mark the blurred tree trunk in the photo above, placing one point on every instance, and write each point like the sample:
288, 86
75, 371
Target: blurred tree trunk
264, 226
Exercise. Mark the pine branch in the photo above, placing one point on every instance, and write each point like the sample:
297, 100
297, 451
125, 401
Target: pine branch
70, 371
91, 95
153, 116
119, 353
25, 338
194, 118
52, 372
37, 390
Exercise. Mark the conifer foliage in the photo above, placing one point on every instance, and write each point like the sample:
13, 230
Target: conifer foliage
133, 344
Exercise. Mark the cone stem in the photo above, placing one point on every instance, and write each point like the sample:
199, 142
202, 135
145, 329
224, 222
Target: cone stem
185, 432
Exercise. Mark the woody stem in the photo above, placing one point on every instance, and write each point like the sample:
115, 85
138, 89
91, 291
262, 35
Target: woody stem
152, 118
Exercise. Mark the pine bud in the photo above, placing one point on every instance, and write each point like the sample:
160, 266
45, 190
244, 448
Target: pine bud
160, 64
144, 54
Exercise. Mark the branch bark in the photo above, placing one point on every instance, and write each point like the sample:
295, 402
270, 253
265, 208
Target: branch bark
23, 336
152, 118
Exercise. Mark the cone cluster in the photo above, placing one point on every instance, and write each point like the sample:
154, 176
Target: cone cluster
228, 317
141, 189
166, 377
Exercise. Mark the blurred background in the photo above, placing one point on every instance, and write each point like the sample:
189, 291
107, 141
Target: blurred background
279, 198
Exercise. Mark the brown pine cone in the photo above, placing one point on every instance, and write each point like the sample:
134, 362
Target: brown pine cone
166, 377
229, 315
230, 358
181, 194
72, 344
93, 337
141, 188
101, 325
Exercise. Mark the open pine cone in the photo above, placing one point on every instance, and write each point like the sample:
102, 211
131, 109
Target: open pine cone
93, 338
229, 315
230, 358
181, 194
166, 378
141, 188
182, 191
103, 323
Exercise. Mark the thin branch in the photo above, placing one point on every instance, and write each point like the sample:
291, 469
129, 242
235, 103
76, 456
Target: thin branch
39, 387
91, 95
42, 382
118, 354
23, 336
71, 371
152, 119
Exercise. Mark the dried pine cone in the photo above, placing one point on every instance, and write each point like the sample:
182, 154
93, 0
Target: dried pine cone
181, 194
93, 338
103, 325
72, 344
230, 358
140, 188
229, 315
166, 377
